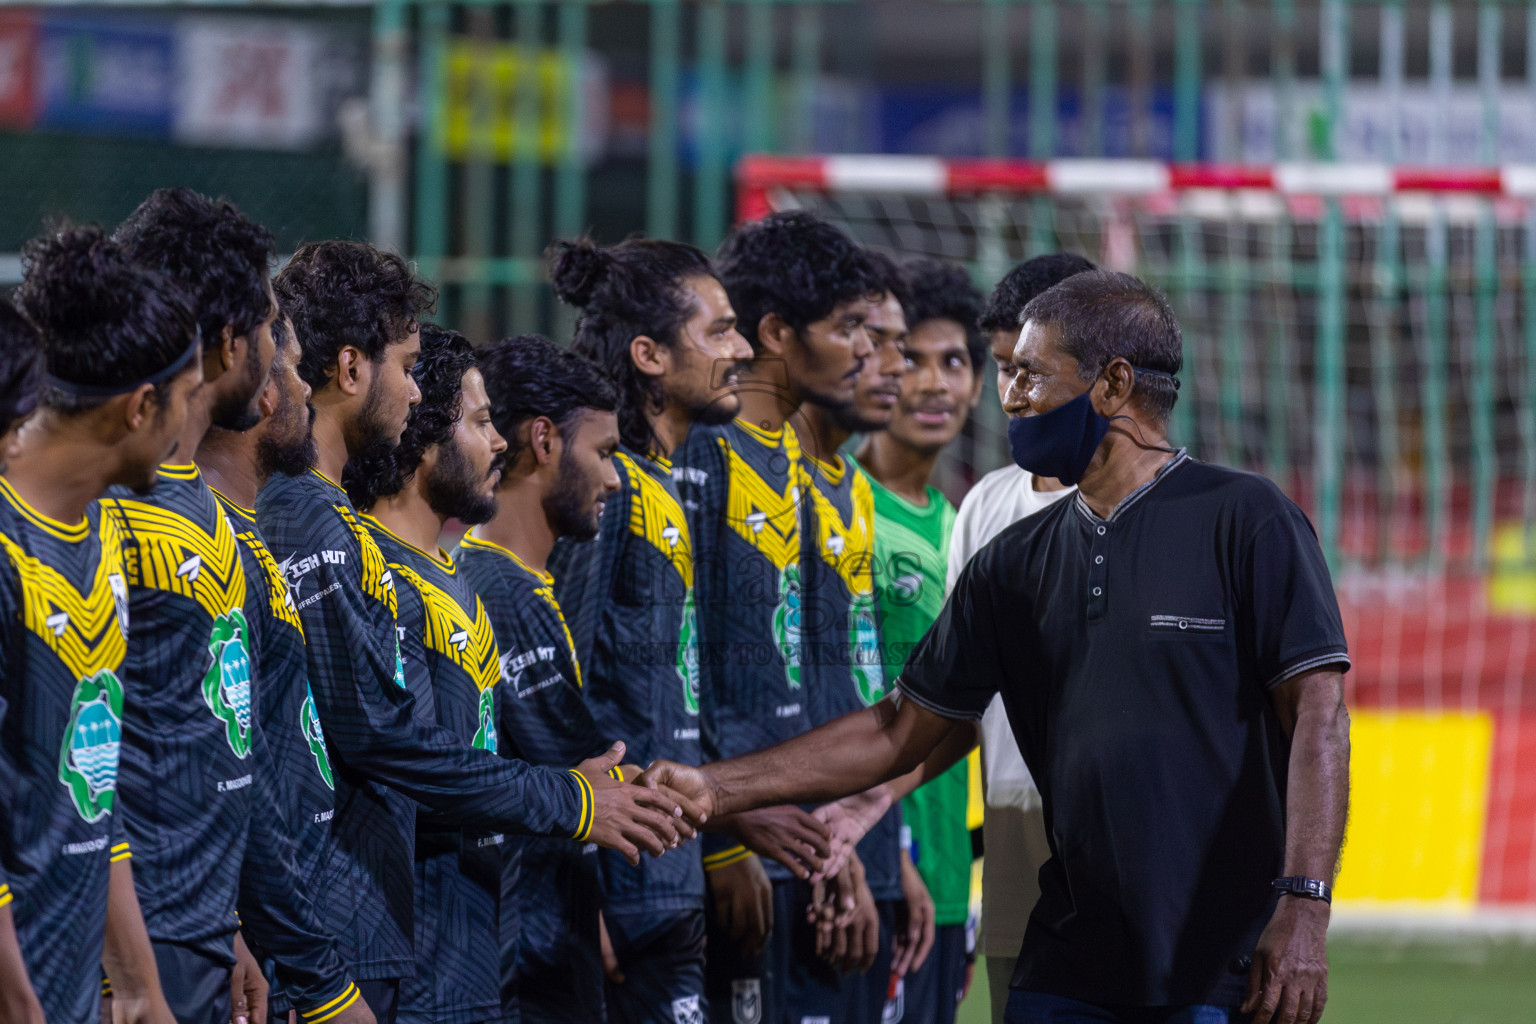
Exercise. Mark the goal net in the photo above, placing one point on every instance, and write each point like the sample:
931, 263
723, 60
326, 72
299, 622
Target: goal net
1366, 337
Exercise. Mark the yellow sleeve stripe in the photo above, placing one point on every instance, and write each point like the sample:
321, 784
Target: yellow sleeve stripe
584, 828
5, 895
120, 852
338, 1005
616, 773
106, 986
725, 858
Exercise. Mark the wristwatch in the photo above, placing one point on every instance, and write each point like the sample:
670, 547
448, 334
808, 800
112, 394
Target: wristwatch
1306, 888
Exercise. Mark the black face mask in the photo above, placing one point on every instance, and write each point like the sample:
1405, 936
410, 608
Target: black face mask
1061, 443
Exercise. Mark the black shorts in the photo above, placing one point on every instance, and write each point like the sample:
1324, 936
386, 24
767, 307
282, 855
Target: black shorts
931, 994
737, 988
805, 989
661, 956
196, 988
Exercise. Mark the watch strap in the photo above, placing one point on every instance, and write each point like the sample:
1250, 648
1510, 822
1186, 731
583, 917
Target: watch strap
1306, 888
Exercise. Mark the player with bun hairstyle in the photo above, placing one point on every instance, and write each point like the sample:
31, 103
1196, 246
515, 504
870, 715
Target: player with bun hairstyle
654, 315
119, 351
357, 312
557, 413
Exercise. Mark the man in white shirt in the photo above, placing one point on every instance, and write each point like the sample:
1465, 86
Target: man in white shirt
1014, 822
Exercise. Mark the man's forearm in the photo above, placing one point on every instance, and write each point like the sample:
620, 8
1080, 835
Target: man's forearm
847, 755
957, 743
1317, 800
126, 955
18, 1003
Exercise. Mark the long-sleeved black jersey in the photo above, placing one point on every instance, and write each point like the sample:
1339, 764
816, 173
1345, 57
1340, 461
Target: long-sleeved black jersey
448, 652
63, 620
843, 648
552, 890
382, 753
297, 955
214, 847
742, 487
629, 597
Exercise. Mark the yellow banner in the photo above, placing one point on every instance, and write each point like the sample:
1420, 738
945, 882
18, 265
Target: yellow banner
484, 83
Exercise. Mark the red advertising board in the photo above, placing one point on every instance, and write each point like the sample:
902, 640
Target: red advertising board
18, 69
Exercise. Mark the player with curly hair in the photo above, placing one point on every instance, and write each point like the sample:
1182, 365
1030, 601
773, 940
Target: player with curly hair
801, 289
446, 466
119, 352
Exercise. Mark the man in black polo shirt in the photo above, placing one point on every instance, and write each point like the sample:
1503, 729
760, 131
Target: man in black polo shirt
1169, 650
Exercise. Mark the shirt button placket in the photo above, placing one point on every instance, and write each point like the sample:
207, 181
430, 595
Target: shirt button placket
1098, 572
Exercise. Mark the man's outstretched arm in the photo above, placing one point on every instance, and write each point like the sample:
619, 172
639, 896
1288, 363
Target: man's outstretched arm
847, 755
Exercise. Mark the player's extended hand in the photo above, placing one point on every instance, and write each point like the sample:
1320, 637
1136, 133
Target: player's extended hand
853, 939
785, 834
850, 820
914, 924
743, 903
630, 818
247, 986
1288, 982
695, 784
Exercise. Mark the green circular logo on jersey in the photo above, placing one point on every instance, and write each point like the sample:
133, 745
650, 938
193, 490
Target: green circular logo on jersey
227, 683
92, 742
864, 650
787, 623
688, 655
485, 736
309, 722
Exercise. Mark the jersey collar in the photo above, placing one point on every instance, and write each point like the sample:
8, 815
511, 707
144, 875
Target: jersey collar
442, 558
471, 541
64, 531
244, 513
1179, 459
172, 471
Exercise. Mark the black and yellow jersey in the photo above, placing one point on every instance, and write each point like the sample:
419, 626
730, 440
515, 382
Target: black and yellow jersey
448, 653
187, 770
63, 621
550, 890
742, 487
843, 640
629, 592
301, 791
384, 753
215, 851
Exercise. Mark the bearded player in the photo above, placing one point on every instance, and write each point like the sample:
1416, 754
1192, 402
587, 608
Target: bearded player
447, 465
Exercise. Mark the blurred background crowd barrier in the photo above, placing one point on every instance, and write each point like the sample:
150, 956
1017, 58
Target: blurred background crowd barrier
1339, 198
